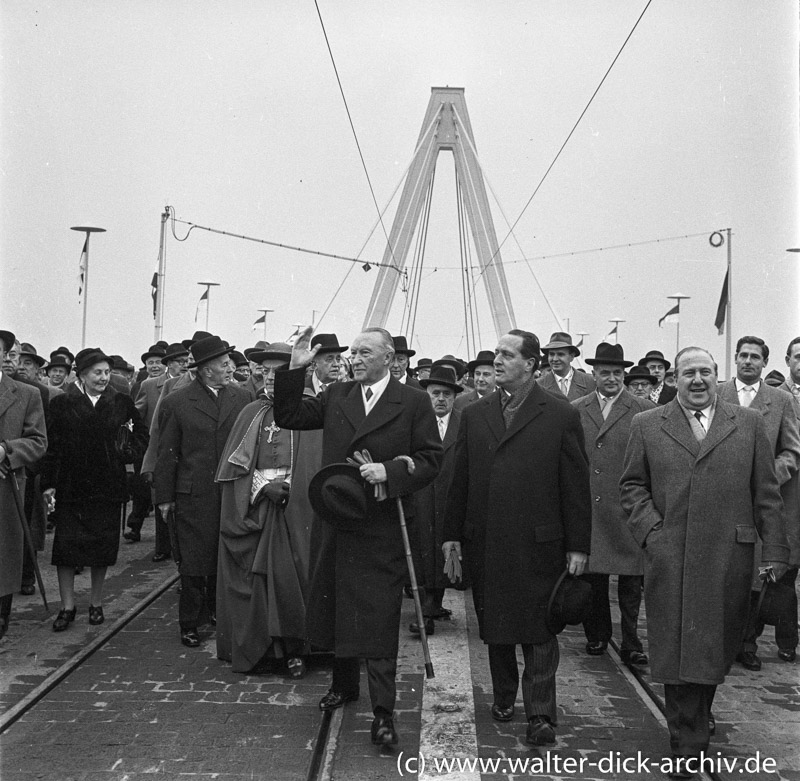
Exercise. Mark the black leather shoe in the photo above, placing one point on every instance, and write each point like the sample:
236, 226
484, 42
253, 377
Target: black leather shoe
502, 714
430, 627
597, 648
712, 724
634, 657
443, 614
383, 732
64, 619
540, 731
27, 589
190, 638
749, 660
160, 557
333, 700
787, 654
96, 615
132, 536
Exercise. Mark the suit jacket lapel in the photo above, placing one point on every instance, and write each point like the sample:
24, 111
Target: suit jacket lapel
388, 407
722, 426
203, 401
761, 400
593, 409
451, 434
677, 426
530, 409
7, 393
727, 391
352, 405
618, 411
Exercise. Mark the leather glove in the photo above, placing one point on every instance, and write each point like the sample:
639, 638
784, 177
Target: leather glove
778, 568
276, 491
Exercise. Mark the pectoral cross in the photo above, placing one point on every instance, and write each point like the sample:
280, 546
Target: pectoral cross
273, 429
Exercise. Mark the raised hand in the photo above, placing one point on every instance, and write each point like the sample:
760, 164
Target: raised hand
302, 355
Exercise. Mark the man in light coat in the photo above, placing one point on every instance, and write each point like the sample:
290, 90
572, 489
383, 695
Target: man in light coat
700, 488
563, 377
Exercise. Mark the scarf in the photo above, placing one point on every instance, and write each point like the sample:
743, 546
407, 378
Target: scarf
517, 399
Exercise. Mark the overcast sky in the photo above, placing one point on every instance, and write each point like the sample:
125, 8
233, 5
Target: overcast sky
230, 113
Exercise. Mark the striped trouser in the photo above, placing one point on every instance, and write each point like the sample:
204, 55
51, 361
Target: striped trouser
538, 678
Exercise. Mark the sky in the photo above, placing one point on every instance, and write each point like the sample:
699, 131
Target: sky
230, 114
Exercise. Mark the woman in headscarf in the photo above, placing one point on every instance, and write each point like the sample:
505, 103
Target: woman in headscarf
93, 432
262, 577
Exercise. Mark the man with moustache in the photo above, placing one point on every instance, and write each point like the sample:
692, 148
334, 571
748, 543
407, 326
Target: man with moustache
700, 488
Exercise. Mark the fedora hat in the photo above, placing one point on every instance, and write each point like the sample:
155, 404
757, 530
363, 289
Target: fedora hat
8, 339
59, 362
118, 363
611, 354
484, 358
442, 374
655, 355
89, 356
424, 363
277, 351
338, 495
559, 340
260, 345
173, 352
27, 350
775, 379
63, 351
239, 359
155, 351
329, 343
456, 364
569, 603
401, 346
207, 349
196, 337
639, 373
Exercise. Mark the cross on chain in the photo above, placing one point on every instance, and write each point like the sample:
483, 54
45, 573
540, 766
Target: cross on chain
273, 429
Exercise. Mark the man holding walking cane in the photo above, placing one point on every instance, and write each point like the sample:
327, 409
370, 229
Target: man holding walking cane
358, 569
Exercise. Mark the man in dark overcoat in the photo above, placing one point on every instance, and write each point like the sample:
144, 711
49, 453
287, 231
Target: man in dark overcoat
23, 441
194, 425
606, 415
519, 504
358, 577
699, 486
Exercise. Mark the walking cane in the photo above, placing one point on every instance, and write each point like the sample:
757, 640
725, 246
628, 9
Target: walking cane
26, 532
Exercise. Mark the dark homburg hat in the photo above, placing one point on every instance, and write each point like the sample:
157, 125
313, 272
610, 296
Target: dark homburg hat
60, 361
118, 363
8, 339
559, 340
484, 358
239, 359
611, 354
277, 351
29, 351
155, 351
63, 351
338, 495
569, 603
401, 346
89, 356
196, 337
207, 349
442, 375
329, 343
655, 355
173, 352
424, 363
639, 373
458, 366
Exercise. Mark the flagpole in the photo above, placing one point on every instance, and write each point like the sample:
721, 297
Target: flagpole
678, 297
208, 286
617, 321
265, 311
88, 231
160, 275
728, 319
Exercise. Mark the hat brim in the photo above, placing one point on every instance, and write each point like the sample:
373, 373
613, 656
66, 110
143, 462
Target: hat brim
322, 350
36, 358
147, 356
560, 346
452, 385
649, 377
8, 339
556, 625
645, 361
317, 500
472, 365
608, 362
174, 356
267, 355
408, 353
217, 354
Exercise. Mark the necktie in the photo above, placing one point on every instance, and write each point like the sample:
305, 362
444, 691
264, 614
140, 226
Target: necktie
796, 390
368, 394
605, 406
700, 434
441, 428
562, 381
747, 395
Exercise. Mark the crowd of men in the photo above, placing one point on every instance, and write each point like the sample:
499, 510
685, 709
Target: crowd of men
519, 473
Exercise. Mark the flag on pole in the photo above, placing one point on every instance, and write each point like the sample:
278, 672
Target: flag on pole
261, 320
82, 267
671, 316
204, 297
612, 332
154, 291
580, 344
722, 308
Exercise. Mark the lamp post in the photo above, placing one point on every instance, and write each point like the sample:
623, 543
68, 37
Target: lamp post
207, 296
265, 313
678, 297
616, 321
85, 268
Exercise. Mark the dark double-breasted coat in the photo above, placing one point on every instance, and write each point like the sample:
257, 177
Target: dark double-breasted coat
193, 428
698, 508
614, 550
357, 577
22, 432
519, 500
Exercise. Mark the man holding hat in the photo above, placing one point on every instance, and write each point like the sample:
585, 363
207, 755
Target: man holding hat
657, 365
519, 505
326, 362
562, 378
482, 370
606, 416
195, 423
357, 581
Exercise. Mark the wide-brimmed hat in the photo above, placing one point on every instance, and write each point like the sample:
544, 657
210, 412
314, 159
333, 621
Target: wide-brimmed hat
655, 355
27, 350
639, 373
611, 354
329, 343
173, 352
560, 340
483, 358
442, 375
155, 351
63, 351
196, 337
277, 351
338, 495
59, 362
89, 356
401, 346
456, 364
207, 349
569, 602
8, 339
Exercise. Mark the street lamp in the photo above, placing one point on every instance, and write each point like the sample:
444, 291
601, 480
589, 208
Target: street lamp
207, 297
85, 272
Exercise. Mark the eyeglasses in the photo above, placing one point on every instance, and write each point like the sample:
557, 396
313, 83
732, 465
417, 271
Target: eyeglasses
639, 384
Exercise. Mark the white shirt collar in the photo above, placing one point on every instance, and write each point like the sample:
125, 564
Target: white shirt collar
740, 386
377, 391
